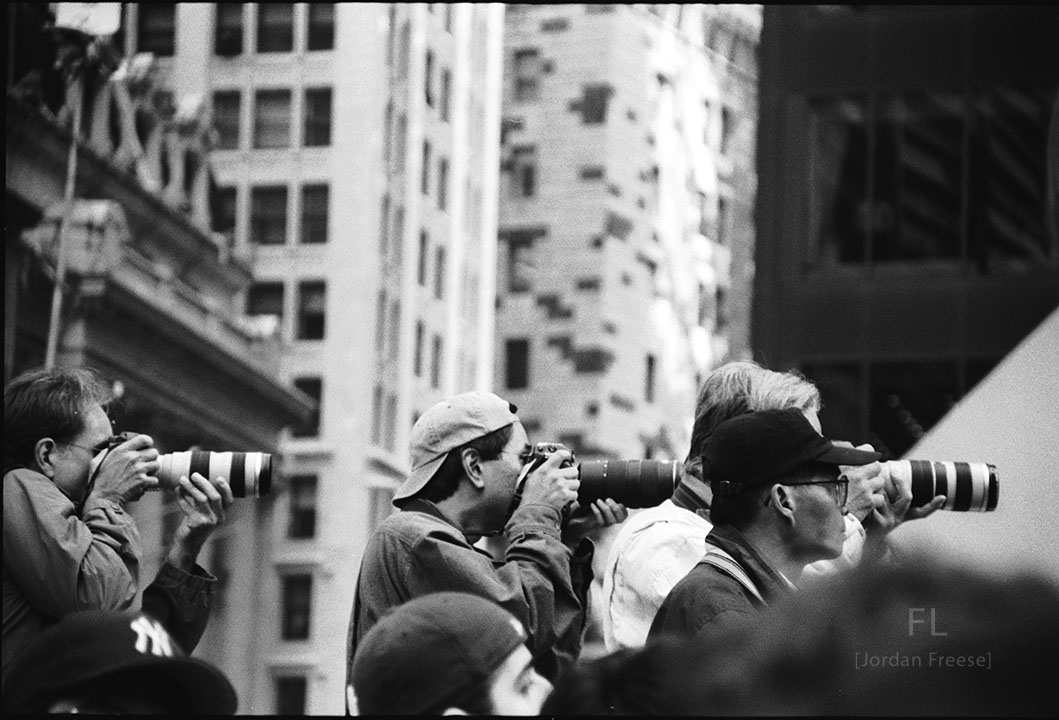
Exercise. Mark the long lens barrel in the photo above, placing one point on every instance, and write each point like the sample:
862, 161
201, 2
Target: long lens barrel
249, 474
967, 486
633, 483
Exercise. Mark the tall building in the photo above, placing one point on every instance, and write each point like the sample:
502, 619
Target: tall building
626, 195
908, 205
356, 161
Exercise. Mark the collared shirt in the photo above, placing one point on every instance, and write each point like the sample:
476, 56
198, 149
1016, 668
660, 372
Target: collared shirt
57, 562
709, 599
540, 581
655, 549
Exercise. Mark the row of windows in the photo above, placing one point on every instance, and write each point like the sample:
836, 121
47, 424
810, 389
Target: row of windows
272, 118
274, 24
269, 212
442, 176
517, 367
267, 298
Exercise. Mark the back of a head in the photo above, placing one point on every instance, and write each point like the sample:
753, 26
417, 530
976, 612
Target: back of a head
428, 653
47, 403
744, 386
919, 638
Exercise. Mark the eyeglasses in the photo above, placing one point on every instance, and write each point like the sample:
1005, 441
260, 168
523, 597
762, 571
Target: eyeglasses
98, 447
841, 491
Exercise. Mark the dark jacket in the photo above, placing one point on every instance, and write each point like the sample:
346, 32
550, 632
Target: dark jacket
57, 561
540, 580
709, 600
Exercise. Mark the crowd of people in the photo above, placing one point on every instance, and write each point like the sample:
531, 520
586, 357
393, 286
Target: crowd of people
764, 585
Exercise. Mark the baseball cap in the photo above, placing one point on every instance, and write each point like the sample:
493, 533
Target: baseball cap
97, 648
446, 426
755, 448
430, 650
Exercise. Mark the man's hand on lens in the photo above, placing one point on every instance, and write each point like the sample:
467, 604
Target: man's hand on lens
865, 485
600, 513
551, 484
127, 471
897, 505
205, 505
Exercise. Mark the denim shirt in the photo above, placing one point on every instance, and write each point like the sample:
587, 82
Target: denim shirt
540, 581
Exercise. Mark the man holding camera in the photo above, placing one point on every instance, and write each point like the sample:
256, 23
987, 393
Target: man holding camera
469, 456
69, 543
779, 498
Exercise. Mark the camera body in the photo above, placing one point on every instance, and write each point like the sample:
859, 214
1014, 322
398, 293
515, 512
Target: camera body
633, 483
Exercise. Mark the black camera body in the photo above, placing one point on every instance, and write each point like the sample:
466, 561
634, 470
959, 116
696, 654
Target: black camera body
633, 483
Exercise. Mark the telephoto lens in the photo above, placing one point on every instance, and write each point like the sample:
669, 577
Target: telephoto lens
633, 483
967, 486
249, 474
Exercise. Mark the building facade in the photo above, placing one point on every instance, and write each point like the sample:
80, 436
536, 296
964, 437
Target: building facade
625, 201
356, 161
908, 211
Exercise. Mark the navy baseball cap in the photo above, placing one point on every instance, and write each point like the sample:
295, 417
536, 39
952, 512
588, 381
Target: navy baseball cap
756, 448
97, 649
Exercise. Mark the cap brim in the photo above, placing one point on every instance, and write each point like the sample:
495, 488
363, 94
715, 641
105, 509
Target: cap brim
419, 478
839, 455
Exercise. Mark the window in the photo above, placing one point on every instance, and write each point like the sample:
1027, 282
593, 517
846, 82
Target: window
228, 30
524, 170
223, 205
156, 28
275, 27
594, 100
384, 226
265, 298
312, 305
727, 129
313, 387
516, 364
519, 262
301, 520
424, 249
428, 78
446, 90
317, 116
314, 213
435, 363
527, 75
424, 184
321, 31
400, 138
272, 118
418, 357
376, 415
439, 273
268, 215
380, 320
720, 310
443, 182
649, 379
297, 605
290, 695
722, 219
226, 106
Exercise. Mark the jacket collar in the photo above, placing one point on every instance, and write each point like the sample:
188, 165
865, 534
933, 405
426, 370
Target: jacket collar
769, 581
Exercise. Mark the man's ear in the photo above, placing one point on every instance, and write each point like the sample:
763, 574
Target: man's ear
783, 499
42, 452
472, 467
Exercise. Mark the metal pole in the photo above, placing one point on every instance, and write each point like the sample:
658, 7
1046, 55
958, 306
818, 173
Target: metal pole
71, 179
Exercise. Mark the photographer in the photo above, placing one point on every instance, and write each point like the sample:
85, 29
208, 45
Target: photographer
467, 455
69, 544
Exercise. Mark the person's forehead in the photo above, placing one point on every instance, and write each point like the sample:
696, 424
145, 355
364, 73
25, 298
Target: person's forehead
97, 426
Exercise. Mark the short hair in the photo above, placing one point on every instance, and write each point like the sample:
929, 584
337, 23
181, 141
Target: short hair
48, 402
446, 480
744, 386
742, 509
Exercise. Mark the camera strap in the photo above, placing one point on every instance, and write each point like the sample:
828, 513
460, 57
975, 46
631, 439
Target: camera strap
724, 562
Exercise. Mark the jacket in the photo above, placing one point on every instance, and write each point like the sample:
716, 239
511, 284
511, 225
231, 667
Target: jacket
540, 580
56, 562
709, 600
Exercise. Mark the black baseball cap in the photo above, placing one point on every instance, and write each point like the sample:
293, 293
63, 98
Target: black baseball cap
756, 448
98, 648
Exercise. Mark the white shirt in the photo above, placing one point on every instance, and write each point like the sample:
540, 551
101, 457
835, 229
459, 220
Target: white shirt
655, 549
